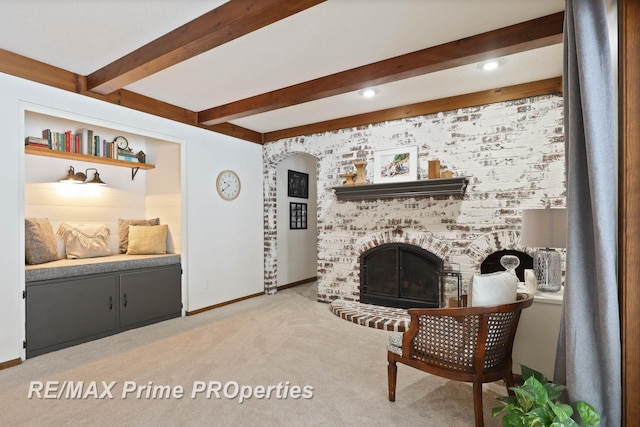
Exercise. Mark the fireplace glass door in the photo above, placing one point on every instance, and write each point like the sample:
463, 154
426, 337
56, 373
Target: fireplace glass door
400, 275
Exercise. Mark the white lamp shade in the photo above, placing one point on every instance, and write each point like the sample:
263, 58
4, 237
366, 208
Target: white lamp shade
544, 228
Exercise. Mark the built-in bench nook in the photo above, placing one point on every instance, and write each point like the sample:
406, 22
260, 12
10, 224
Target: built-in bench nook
120, 242
71, 301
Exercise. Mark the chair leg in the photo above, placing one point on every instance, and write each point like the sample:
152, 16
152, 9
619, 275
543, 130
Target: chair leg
477, 403
509, 383
392, 373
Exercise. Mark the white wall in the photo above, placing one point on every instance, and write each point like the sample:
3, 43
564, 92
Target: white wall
222, 242
226, 261
297, 249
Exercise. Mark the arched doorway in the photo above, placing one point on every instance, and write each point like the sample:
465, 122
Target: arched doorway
292, 237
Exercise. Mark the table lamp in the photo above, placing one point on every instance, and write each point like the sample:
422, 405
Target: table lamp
545, 229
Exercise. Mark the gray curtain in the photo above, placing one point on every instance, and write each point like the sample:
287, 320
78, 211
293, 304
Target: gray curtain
589, 357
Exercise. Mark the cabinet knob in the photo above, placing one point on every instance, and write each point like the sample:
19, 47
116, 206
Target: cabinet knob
110, 303
124, 300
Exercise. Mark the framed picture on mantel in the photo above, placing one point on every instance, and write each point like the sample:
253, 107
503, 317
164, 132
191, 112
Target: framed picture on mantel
395, 165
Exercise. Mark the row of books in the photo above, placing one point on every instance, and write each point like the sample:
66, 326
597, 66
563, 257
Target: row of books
82, 141
34, 141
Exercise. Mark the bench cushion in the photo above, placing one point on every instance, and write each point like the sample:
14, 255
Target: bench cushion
79, 267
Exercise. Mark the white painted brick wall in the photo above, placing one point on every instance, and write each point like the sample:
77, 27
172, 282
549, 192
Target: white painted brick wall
512, 152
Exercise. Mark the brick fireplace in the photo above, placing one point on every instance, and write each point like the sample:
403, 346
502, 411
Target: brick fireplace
512, 153
400, 275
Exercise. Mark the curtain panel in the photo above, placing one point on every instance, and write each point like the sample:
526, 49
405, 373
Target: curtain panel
588, 359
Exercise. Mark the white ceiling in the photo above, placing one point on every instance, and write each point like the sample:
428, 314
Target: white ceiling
82, 36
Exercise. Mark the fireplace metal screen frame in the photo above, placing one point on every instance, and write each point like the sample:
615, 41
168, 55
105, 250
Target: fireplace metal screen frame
389, 298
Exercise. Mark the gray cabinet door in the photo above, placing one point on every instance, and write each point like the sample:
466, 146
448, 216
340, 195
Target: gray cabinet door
150, 295
70, 311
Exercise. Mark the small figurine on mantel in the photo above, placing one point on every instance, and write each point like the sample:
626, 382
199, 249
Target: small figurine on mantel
360, 168
348, 178
434, 169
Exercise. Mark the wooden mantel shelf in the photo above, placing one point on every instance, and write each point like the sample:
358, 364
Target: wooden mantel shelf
422, 188
85, 158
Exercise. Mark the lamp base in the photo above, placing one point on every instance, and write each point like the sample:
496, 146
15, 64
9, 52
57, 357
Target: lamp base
547, 265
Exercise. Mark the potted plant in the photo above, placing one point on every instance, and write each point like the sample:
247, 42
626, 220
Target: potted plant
536, 403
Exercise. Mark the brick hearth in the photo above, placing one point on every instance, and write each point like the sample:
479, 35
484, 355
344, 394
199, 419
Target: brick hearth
373, 316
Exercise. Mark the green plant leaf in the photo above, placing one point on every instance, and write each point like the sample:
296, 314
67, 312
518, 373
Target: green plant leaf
566, 423
540, 395
532, 420
500, 409
507, 399
554, 390
562, 411
589, 414
528, 372
513, 419
525, 398
536, 404
544, 413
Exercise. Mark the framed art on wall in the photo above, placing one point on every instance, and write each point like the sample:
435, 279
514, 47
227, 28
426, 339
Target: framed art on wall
395, 165
298, 184
297, 216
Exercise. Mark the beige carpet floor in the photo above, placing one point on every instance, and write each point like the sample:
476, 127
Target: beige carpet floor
287, 339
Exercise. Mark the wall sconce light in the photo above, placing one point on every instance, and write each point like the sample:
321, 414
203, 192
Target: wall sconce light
74, 177
96, 177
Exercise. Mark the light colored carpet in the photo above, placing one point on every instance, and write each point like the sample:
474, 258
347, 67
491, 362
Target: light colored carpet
264, 341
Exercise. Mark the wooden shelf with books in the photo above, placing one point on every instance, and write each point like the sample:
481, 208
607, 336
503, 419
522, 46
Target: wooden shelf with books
47, 152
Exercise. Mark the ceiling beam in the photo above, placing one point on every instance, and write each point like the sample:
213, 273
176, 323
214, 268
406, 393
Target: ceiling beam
39, 72
23, 67
233, 19
30, 69
36, 71
237, 132
540, 32
541, 87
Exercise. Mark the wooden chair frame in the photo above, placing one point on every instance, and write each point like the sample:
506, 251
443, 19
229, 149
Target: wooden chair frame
484, 334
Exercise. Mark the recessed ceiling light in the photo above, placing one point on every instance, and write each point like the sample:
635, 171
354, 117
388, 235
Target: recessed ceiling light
369, 93
491, 65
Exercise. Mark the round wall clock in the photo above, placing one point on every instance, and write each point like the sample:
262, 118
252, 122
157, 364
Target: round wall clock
228, 184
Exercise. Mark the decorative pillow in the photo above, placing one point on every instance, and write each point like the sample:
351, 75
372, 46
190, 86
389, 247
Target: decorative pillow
40, 243
493, 289
85, 241
123, 230
147, 239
